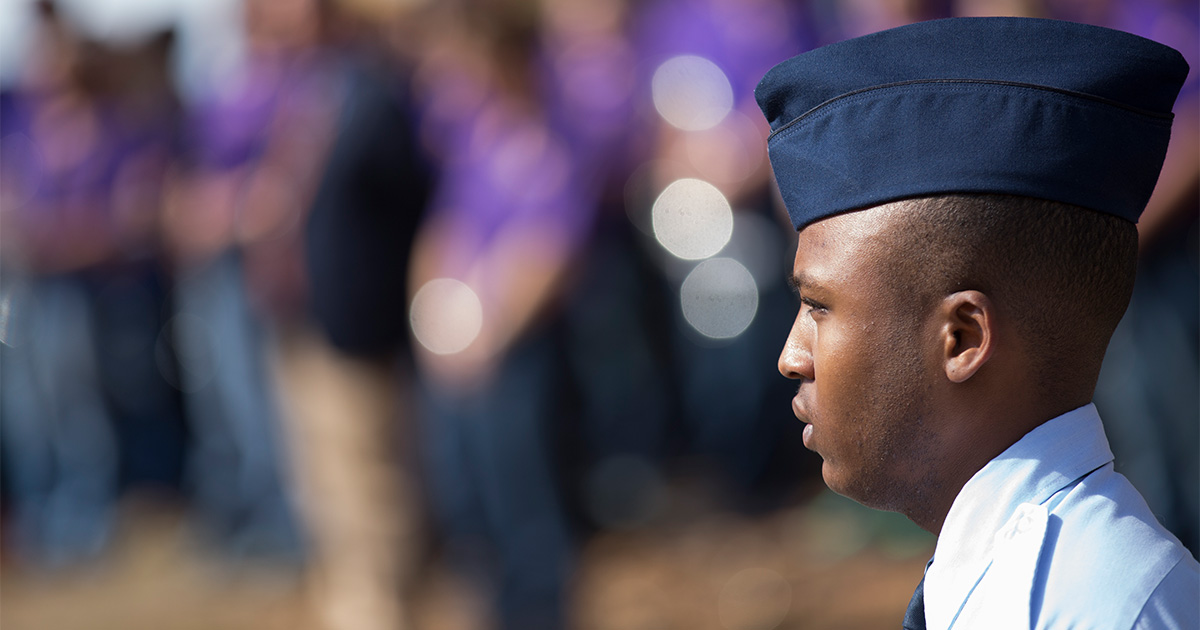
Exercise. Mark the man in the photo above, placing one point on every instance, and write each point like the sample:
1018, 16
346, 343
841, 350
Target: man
966, 193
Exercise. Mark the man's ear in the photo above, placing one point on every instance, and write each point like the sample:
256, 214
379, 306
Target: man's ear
967, 333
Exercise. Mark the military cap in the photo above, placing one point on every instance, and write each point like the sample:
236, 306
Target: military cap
1041, 108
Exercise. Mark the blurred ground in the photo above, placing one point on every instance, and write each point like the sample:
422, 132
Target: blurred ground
829, 564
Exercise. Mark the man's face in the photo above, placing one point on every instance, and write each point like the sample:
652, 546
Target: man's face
856, 348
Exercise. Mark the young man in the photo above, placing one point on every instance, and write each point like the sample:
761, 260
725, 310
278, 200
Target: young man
966, 193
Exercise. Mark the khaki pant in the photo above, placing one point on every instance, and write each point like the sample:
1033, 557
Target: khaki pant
344, 418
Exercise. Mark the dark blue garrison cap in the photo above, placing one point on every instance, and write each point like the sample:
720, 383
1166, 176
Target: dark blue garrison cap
1041, 108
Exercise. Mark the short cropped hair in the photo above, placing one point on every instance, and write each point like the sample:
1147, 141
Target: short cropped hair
1062, 273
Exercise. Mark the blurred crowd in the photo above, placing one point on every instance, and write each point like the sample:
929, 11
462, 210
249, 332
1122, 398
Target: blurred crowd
465, 279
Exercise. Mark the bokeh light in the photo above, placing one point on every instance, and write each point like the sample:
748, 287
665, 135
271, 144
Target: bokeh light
692, 219
446, 316
691, 93
754, 599
719, 298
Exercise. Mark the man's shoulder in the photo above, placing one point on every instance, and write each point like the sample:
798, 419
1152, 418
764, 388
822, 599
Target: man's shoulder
1049, 535
1105, 555
1105, 516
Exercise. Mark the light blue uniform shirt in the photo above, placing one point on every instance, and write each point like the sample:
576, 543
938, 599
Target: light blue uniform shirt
1047, 535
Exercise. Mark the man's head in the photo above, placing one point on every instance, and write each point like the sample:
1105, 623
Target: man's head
923, 317
965, 193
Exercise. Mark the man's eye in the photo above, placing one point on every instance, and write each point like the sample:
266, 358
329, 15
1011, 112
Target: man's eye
815, 307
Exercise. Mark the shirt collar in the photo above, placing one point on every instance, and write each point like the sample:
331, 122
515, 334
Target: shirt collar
1032, 470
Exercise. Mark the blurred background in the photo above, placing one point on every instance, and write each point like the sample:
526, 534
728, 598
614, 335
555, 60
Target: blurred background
462, 314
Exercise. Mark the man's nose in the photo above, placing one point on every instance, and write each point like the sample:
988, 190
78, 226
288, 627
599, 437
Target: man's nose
796, 362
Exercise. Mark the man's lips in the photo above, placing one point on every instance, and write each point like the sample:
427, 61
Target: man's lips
802, 415
798, 409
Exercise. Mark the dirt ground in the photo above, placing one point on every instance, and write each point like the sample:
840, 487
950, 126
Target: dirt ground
825, 564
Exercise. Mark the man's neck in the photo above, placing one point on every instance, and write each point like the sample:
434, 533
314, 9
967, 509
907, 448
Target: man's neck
972, 442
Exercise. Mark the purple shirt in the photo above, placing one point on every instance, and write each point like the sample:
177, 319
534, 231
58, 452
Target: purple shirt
501, 167
233, 129
69, 160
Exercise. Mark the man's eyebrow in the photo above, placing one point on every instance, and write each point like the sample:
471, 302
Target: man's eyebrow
799, 281
794, 285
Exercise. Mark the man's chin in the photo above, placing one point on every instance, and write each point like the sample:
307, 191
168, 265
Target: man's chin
871, 497
833, 479
837, 481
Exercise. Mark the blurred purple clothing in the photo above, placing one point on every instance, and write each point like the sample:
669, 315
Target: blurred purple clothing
745, 39
590, 82
500, 168
228, 132
233, 129
55, 191
68, 156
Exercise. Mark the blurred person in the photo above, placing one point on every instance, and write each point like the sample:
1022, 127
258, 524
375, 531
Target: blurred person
326, 187
142, 111
721, 402
614, 362
359, 479
956, 306
488, 275
236, 469
86, 138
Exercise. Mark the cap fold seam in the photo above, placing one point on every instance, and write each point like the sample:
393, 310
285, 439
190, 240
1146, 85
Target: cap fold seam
1166, 117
